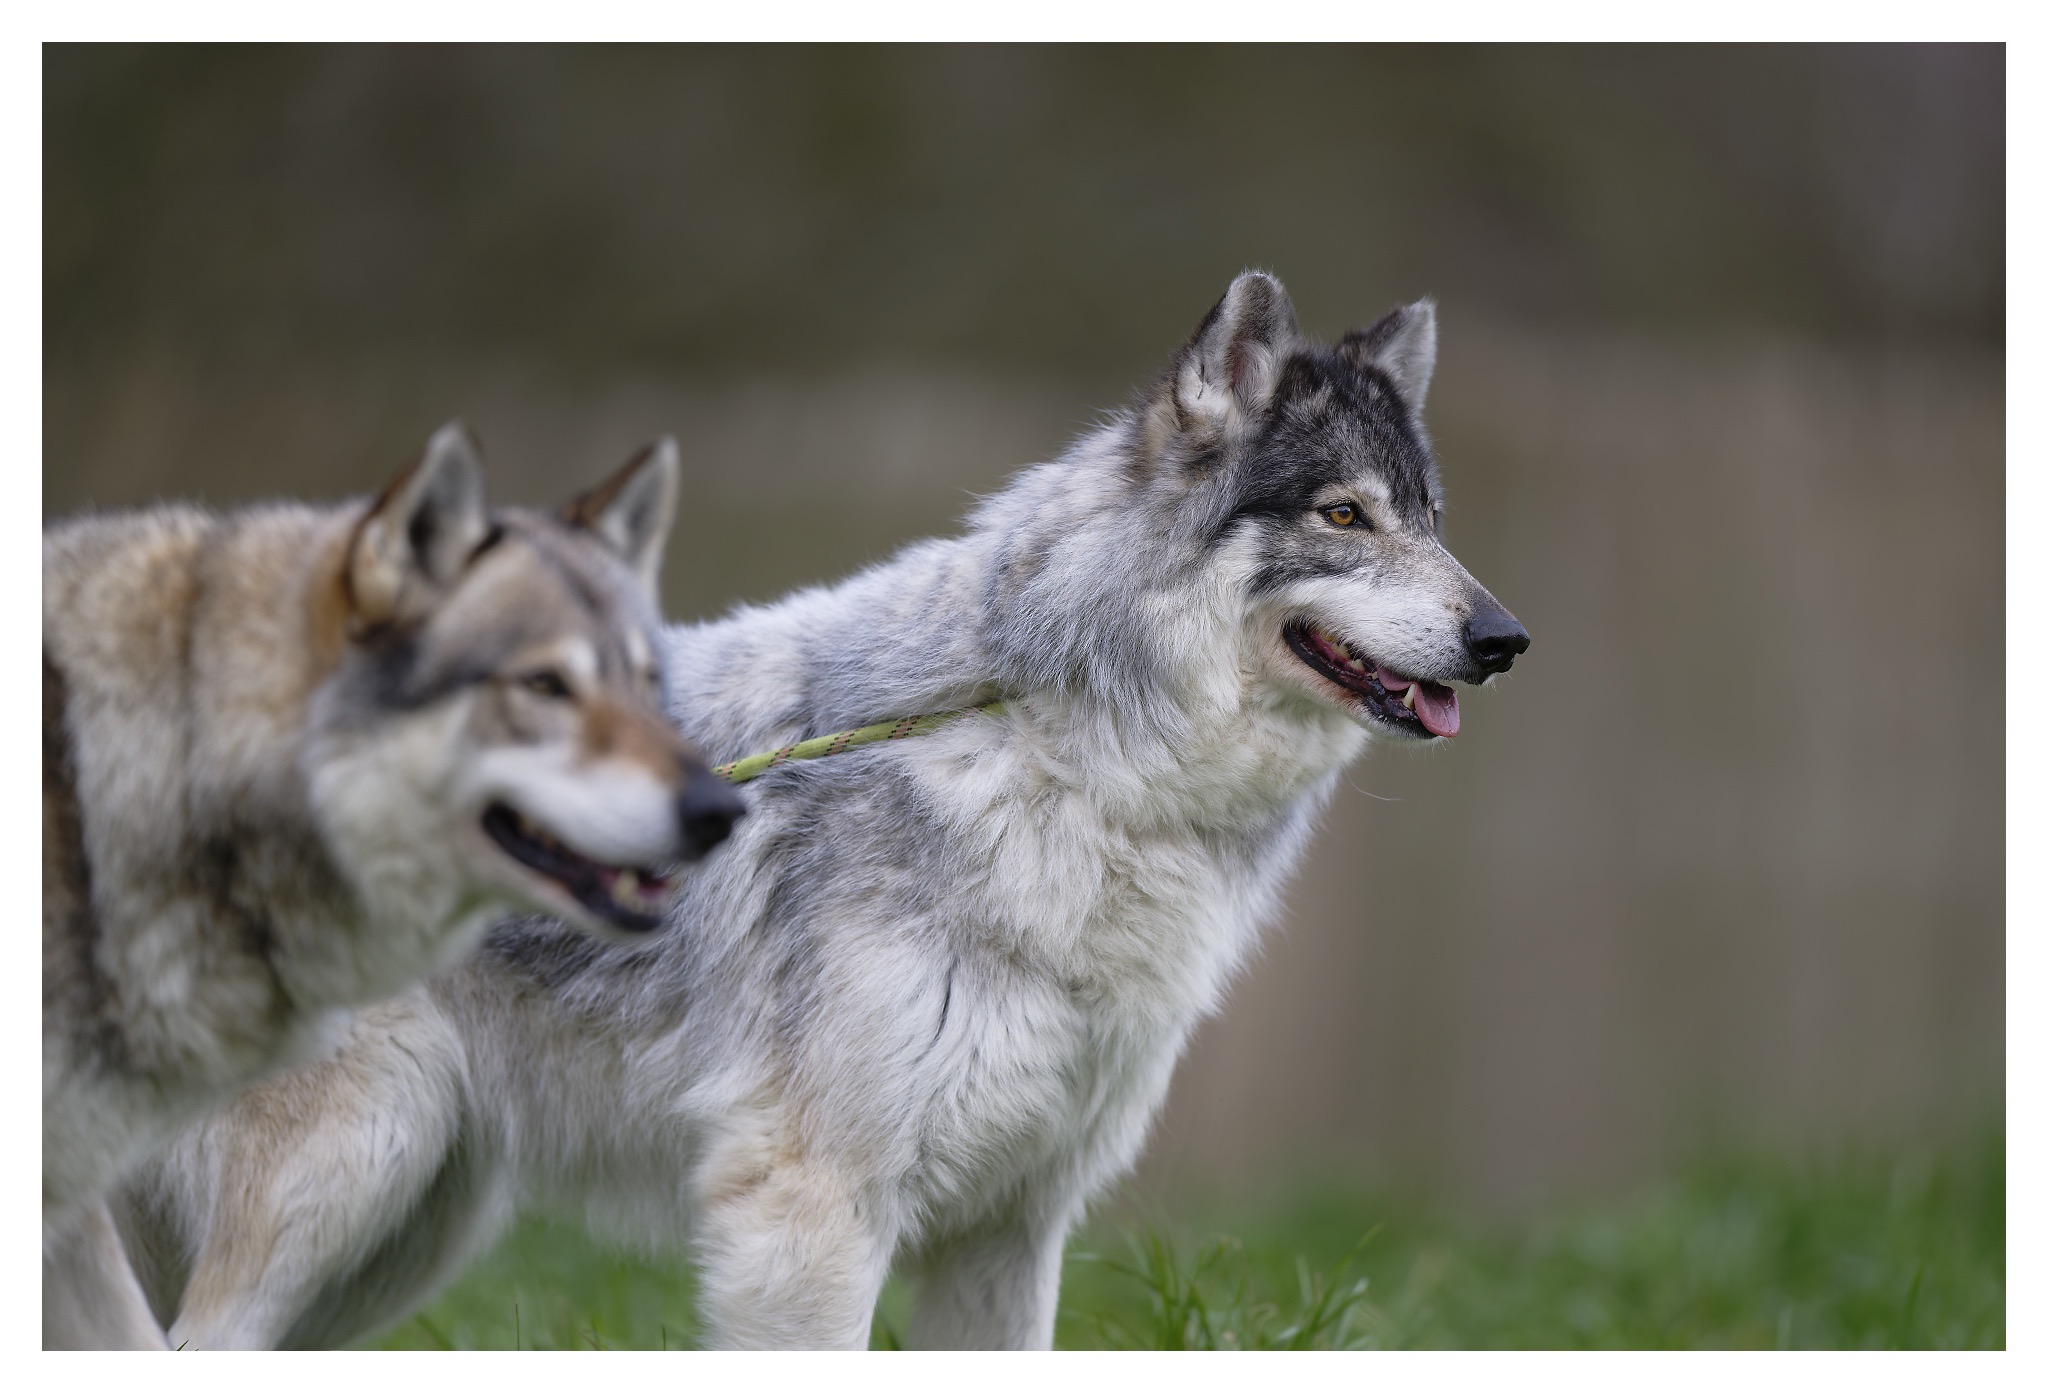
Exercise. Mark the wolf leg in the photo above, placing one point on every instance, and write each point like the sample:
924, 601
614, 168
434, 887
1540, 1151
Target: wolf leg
793, 1259
91, 1299
996, 1289
334, 1196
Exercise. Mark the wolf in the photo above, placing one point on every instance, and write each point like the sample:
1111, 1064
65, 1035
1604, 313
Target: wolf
296, 759
926, 1004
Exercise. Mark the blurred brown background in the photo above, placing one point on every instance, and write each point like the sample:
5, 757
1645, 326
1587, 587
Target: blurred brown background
1720, 404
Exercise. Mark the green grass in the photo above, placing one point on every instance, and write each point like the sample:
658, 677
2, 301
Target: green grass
1867, 1252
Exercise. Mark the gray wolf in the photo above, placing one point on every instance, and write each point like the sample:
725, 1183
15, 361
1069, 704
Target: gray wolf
926, 1004
297, 759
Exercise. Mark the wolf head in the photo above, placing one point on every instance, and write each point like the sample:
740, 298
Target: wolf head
1313, 480
493, 731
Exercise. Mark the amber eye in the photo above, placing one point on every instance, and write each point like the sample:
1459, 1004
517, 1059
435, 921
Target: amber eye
546, 682
1344, 515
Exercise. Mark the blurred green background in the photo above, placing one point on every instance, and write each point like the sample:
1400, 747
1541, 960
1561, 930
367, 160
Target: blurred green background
1902, 1249
1720, 405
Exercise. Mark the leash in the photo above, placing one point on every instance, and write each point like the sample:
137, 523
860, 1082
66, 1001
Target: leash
818, 747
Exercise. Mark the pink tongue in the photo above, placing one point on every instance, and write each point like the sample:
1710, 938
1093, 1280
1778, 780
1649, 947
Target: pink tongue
1437, 706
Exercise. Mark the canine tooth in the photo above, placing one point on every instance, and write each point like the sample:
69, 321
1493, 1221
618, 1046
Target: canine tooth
1408, 697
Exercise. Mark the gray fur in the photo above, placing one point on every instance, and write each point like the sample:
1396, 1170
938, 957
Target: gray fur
927, 1004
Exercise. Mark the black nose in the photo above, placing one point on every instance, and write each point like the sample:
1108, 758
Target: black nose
1494, 639
707, 810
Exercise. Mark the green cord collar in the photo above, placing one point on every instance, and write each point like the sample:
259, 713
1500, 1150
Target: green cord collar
818, 747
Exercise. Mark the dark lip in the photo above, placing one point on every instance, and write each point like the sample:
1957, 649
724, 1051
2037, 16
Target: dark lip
581, 877
1376, 700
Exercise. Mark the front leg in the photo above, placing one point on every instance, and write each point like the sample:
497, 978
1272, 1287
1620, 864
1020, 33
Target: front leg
997, 1288
91, 1299
792, 1256
329, 1200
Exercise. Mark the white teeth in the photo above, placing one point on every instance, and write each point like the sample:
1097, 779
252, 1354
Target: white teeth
645, 897
1408, 697
1338, 645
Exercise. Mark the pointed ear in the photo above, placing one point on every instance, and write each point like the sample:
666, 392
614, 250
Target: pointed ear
1401, 344
417, 538
633, 509
1230, 368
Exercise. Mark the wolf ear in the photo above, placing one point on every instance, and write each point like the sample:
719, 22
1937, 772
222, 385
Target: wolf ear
632, 510
1231, 367
420, 533
1401, 344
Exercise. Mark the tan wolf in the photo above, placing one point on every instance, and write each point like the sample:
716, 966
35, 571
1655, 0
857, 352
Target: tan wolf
298, 758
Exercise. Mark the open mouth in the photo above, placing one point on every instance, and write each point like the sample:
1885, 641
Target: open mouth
1409, 704
627, 897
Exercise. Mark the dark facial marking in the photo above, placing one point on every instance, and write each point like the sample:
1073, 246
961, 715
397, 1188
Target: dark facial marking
1330, 422
394, 679
1281, 570
399, 676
